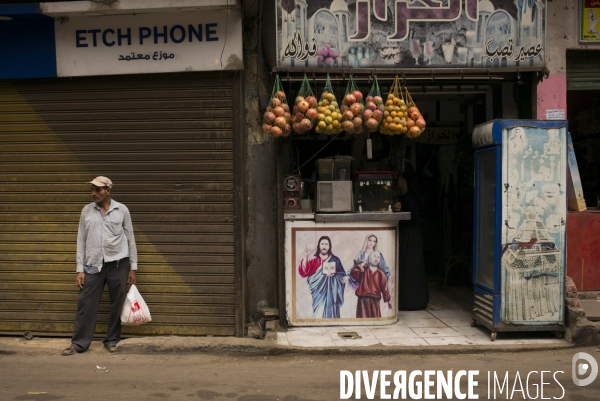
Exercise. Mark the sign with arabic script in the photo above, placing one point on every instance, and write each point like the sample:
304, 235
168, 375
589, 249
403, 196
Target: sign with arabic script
149, 43
410, 33
589, 21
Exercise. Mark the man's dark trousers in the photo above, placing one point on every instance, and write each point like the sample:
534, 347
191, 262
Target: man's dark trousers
114, 274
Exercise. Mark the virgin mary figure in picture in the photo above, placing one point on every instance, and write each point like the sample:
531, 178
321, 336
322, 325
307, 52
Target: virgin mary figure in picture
326, 279
370, 245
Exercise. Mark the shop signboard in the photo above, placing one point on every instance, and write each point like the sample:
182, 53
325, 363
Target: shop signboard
406, 34
333, 268
589, 21
149, 43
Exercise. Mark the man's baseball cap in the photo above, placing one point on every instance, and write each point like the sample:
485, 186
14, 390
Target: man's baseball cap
101, 182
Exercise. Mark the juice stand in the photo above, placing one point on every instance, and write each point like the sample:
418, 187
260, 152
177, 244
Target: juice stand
340, 265
316, 48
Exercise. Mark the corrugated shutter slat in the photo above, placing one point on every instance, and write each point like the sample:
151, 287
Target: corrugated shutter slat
582, 70
167, 143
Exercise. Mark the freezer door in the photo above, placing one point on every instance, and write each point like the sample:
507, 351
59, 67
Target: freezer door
533, 229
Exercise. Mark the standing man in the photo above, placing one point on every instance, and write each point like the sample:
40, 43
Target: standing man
106, 254
326, 279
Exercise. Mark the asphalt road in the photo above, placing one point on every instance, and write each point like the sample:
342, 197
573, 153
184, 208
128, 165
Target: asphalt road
287, 377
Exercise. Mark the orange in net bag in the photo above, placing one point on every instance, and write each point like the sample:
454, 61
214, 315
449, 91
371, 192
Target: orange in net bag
374, 107
414, 119
329, 119
394, 115
304, 113
276, 120
352, 108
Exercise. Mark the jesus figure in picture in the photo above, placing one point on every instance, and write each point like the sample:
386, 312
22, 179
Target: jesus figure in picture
372, 286
326, 279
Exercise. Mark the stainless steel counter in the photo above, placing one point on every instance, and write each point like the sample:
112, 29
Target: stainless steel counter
293, 215
366, 216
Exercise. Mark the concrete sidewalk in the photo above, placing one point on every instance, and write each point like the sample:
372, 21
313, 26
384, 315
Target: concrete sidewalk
418, 332
245, 346
423, 328
443, 328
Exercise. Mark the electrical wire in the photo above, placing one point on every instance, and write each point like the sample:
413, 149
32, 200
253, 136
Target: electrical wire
225, 41
294, 158
227, 12
319, 151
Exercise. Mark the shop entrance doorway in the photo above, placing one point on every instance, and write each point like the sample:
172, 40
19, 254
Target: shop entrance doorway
442, 157
583, 101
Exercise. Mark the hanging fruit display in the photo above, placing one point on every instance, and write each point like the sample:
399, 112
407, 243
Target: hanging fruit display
304, 113
352, 109
394, 116
374, 108
415, 121
276, 120
329, 118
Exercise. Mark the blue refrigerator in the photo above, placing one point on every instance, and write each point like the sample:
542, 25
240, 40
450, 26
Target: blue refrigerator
520, 225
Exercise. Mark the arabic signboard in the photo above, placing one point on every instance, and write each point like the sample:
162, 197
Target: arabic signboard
408, 34
589, 21
149, 43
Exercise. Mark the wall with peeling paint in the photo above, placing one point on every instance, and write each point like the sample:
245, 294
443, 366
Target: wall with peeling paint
261, 235
562, 33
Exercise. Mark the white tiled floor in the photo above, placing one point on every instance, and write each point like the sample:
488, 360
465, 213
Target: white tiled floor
415, 328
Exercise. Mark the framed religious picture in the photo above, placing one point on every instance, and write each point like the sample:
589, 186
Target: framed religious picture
589, 21
341, 273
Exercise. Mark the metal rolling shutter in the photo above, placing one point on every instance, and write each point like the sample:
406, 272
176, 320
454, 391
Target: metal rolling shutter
166, 141
582, 69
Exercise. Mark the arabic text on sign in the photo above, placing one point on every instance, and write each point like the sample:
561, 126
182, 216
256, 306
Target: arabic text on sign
498, 52
405, 14
532, 51
300, 50
555, 114
155, 56
176, 34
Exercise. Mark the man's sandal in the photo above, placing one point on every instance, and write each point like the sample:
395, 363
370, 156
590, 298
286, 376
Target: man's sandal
72, 350
111, 348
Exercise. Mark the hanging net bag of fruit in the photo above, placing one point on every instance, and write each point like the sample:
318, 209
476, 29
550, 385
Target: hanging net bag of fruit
276, 120
329, 119
374, 108
304, 113
352, 108
414, 120
394, 122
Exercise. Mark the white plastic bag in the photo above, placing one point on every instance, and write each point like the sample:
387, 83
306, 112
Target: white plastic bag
135, 311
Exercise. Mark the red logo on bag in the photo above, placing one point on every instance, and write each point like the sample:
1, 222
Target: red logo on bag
135, 306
